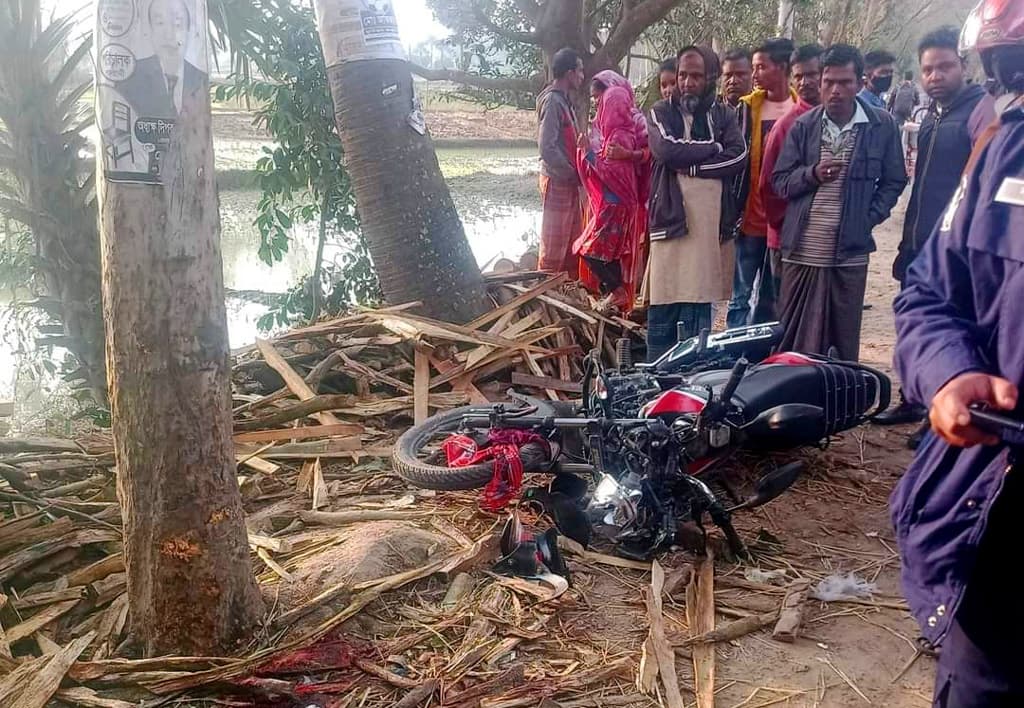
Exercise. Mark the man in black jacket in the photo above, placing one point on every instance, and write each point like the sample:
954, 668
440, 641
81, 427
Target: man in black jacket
696, 144
841, 171
944, 144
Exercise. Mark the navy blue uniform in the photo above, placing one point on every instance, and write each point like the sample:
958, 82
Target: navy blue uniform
958, 512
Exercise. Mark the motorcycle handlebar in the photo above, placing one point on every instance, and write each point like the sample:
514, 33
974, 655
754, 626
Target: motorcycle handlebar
1009, 430
735, 378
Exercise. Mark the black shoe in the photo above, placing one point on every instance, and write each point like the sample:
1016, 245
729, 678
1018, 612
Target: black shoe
902, 414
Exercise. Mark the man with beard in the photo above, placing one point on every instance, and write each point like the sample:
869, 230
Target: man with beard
957, 509
696, 144
878, 71
944, 144
807, 81
842, 171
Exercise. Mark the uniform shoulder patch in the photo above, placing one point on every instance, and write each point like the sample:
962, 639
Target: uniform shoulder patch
1011, 191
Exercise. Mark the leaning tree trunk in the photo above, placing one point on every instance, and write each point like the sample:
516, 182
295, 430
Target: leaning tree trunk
191, 588
411, 227
787, 18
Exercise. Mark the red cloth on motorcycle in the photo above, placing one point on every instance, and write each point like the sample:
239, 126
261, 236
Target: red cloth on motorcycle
503, 448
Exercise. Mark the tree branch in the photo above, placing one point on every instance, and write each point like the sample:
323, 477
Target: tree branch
628, 29
491, 83
511, 35
529, 8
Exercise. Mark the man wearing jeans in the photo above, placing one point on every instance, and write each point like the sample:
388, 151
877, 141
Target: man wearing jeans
769, 102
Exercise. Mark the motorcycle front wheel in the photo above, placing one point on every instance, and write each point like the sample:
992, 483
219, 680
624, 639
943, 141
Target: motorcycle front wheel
413, 461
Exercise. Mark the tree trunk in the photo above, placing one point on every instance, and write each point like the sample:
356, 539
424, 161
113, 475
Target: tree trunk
316, 289
191, 588
411, 227
787, 18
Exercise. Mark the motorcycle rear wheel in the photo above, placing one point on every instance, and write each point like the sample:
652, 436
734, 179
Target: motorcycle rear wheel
411, 467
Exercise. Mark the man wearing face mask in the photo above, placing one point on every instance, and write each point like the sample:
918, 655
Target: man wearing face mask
878, 71
696, 145
957, 509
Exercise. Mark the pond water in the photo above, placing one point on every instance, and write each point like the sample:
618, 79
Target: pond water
495, 191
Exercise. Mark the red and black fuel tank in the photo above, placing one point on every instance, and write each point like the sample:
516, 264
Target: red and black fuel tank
676, 402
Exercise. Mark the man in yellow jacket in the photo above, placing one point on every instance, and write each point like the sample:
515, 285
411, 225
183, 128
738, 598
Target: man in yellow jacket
772, 98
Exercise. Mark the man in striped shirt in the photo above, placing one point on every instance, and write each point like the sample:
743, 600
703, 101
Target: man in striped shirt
841, 171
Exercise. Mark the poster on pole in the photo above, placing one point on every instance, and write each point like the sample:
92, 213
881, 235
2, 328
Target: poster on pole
150, 56
357, 30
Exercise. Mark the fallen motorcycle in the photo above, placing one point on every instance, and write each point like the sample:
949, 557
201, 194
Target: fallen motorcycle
652, 442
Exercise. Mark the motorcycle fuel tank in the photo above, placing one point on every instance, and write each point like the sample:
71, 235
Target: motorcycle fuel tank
677, 401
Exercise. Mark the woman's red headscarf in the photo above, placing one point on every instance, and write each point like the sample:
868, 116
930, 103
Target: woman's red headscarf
612, 79
615, 125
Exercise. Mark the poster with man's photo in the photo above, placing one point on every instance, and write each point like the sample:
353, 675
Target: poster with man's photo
150, 55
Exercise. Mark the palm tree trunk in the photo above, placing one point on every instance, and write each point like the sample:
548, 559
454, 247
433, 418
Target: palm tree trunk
409, 221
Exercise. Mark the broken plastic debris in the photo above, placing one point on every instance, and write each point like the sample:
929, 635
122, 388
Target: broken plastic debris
765, 577
839, 587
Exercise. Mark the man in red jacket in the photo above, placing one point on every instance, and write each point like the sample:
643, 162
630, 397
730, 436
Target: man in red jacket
807, 80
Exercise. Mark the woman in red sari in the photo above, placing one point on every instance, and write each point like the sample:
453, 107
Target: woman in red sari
609, 246
640, 157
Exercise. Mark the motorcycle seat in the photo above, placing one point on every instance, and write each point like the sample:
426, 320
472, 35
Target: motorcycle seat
845, 393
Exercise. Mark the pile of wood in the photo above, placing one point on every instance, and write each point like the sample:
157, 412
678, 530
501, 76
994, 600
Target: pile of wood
315, 418
380, 362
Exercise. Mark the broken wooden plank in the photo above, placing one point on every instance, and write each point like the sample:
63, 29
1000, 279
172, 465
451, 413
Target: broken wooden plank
97, 571
421, 386
5, 645
277, 545
274, 565
82, 696
733, 630
518, 301
257, 463
665, 657
320, 494
39, 620
700, 615
791, 617
41, 599
34, 444
304, 482
39, 689
538, 371
304, 433
546, 382
312, 448
343, 518
295, 383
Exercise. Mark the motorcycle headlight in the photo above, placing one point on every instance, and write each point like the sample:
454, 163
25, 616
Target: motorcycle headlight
607, 490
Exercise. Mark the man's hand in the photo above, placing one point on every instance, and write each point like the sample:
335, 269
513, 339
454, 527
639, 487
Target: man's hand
583, 141
827, 171
950, 417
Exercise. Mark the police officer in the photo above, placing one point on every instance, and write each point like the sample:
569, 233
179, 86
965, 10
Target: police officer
957, 511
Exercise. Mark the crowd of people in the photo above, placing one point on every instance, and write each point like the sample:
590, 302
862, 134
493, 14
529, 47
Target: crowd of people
759, 179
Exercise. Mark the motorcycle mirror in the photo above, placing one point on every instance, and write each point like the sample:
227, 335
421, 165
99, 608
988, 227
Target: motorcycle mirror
772, 485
